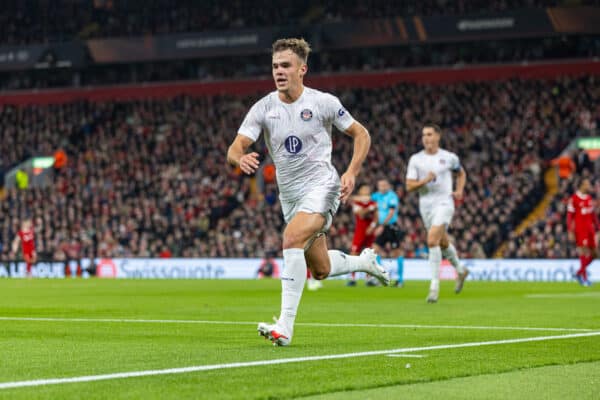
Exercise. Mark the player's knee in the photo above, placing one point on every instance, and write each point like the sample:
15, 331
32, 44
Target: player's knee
320, 273
433, 241
319, 269
292, 240
444, 243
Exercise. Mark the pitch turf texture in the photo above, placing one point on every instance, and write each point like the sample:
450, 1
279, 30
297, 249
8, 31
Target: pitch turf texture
57, 329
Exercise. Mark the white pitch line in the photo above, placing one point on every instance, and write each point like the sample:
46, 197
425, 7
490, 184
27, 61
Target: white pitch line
314, 324
198, 368
561, 295
406, 355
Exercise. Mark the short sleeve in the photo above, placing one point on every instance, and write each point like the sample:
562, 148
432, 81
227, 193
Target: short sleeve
411, 170
253, 123
393, 201
455, 163
340, 117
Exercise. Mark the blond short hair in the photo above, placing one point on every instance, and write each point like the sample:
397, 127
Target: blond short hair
299, 47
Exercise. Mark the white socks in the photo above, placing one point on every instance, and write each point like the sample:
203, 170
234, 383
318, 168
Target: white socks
293, 279
450, 254
342, 263
435, 259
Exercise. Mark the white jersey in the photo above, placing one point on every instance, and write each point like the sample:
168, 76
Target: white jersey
298, 136
442, 164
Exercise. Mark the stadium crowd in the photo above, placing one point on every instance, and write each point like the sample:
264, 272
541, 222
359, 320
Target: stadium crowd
548, 236
148, 178
41, 21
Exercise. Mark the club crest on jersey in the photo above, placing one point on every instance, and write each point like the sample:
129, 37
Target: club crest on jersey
306, 114
293, 144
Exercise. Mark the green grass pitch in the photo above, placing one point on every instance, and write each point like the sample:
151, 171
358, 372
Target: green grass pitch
88, 328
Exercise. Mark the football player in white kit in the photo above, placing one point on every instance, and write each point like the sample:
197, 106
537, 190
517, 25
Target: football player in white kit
296, 122
430, 173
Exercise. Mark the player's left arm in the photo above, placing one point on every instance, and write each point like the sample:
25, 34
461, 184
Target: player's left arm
362, 143
461, 181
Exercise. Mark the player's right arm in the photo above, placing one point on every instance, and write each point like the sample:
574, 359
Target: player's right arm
372, 229
247, 134
15, 244
571, 219
389, 215
412, 177
236, 155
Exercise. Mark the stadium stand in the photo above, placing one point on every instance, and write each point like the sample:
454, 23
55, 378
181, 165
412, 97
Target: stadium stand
547, 237
147, 177
334, 61
42, 21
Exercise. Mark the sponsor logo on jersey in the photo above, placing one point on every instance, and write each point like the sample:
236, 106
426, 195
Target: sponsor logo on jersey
442, 161
293, 144
341, 112
306, 114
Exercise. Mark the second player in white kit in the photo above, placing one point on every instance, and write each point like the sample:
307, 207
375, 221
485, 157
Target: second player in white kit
430, 173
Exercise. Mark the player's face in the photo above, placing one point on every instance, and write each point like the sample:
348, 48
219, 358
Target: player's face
431, 139
288, 70
383, 186
585, 186
364, 191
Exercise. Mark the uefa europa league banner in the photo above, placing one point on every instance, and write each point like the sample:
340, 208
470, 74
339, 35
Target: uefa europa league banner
83, 268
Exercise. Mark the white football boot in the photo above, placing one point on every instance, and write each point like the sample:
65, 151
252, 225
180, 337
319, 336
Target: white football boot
433, 295
275, 333
374, 268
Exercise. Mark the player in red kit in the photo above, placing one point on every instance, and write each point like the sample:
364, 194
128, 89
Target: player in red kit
26, 237
365, 222
582, 223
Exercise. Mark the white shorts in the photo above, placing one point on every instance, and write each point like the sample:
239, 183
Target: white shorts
440, 214
322, 202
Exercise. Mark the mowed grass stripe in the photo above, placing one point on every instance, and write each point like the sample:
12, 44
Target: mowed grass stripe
199, 368
580, 380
